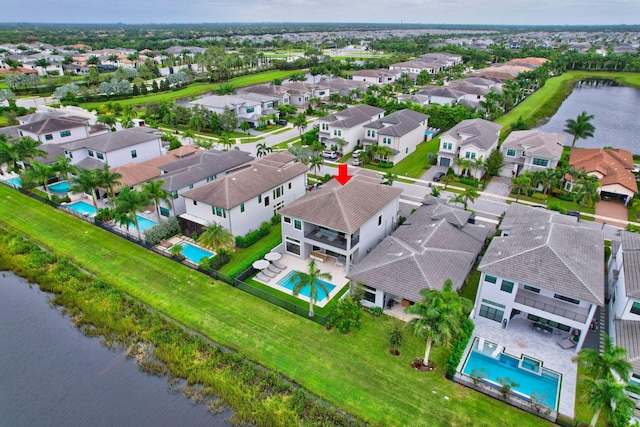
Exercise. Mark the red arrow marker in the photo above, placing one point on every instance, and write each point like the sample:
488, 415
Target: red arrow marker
343, 177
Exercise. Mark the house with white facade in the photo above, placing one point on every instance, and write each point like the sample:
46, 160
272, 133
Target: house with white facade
545, 269
118, 148
401, 132
378, 77
341, 222
55, 130
434, 244
248, 107
442, 95
531, 150
470, 139
623, 295
343, 130
242, 200
300, 92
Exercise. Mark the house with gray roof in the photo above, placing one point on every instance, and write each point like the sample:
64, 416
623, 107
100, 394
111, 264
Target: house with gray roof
543, 268
379, 77
341, 223
132, 145
249, 107
400, 132
624, 296
442, 95
55, 130
343, 130
246, 197
531, 150
434, 244
471, 139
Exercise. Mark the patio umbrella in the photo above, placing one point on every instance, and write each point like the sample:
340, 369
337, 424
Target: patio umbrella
273, 256
261, 264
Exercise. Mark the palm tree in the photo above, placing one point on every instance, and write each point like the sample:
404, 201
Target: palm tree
478, 164
463, 164
107, 179
580, 128
262, 149
388, 178
64, 167
549, 180
315, 162
215, 236
456, 198
301, 280
27, 149
610, 395
604, 365
123, 219
470, 195
520, 184
440, 316
446, 180
9, 155
157, 194
189, 134
586, 192
300, 122
42, 174
226, 141
85, 182
131, 201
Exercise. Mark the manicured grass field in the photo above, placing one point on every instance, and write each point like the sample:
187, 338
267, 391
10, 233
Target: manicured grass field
416, 164
355, 371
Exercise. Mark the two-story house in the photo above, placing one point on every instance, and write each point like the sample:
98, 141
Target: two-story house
300, 93
246, 108
401, 132
545, 269
470, 139
343, 130
343, 222
531, 150
56, 130
378, 77
242, 200
442, 95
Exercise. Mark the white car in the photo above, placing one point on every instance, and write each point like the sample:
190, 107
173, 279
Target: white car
329, 154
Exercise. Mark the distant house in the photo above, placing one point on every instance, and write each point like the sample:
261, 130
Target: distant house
442, 95
612, 167
344, 129
341, 223
436, 243
378, 77
300, 93
401, 132
54, 130
249, 107
241, 201
531, 150
543, 268
470, 139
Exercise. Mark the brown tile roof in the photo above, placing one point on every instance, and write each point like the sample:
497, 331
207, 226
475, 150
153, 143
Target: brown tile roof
614, 163
134, 174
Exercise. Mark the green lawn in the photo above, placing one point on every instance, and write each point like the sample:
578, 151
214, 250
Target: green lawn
416, 164
354, 372
242, 258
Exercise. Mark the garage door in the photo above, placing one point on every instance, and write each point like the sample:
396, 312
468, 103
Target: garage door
445, 162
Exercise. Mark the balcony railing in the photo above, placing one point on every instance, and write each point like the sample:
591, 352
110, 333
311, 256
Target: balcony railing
552, 305
331, 238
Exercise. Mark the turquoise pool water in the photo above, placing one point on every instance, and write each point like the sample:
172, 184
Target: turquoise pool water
82, 207
15, 182
545, 384
288, 283
194, 253
61, 187
144, 223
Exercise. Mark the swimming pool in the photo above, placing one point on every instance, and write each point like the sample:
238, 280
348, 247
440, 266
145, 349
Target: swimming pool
82, 207
144, 223
194, 253
527, 372
61, 187
288, 282
16, 182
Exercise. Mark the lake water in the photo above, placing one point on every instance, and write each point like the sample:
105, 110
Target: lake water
51, 374
615, 109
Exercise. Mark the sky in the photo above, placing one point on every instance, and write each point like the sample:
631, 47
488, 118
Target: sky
499, 12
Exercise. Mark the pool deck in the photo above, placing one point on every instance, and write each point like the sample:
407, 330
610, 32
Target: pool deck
519, 339
337, 272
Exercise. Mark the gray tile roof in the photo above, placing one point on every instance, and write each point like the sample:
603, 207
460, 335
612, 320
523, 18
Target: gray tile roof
477, 132
628, 337
352, 116
442, 91
537, 143
631, 263
430, 247
230, 101
52, 151
114, 140
191, 169
346, 207
399, 123
90, 163
11, 131
540, 252
245, 183
52, 124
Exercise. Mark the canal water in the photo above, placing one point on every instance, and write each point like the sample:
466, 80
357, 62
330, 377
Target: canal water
53, 375
615, 109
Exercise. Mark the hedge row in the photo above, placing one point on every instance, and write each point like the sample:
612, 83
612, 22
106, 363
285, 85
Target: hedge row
251, 238
457, 348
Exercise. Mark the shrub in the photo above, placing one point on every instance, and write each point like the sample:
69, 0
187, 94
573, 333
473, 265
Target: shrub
395, 333
432, 158
539, 196
345, 315
326, 178
457, 348
275, 219
401, 219
251, 238
555, 206
374, 311
385, 165
162, 230
469, 181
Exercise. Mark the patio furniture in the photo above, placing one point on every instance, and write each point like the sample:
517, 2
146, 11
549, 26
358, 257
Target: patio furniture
165, 244
273, 256
567, 343
261, 264
262, 277
267, 273
340, 261
272, 268
279, 265
318, 256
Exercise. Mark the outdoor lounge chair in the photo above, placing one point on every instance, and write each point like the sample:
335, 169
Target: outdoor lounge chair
272, 268
262, 277
279, 265
268, 273
567, 343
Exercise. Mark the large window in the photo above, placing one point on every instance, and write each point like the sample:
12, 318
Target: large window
277, 192
48, 137
540, 162
491, 313
99, 155
297, 224
369, 294
511, 152
293, 246
635, 308
251, 110
65, 133
164, 211
506, 286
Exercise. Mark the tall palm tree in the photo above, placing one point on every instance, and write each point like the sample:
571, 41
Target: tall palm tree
586, 192
520, 184
549, 180
226, 141
310, 278
580, 128
470, 195
388, 178
315, 162
9, 155
64, 167
214, 236
610, 395
456, 198
300, 122
479, 165
262, 149
604, 365
107, 179
27, 149
85, 182
463, 164
131, 201
157, 194
42, 174
446, 180
440, 316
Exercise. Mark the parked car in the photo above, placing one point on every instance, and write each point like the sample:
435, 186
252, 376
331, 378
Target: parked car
329, 154
281, 122
573, 213
438, 176
356, 154
356, 161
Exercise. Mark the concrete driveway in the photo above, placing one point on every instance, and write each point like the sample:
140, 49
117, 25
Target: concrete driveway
612, 209
428, 175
